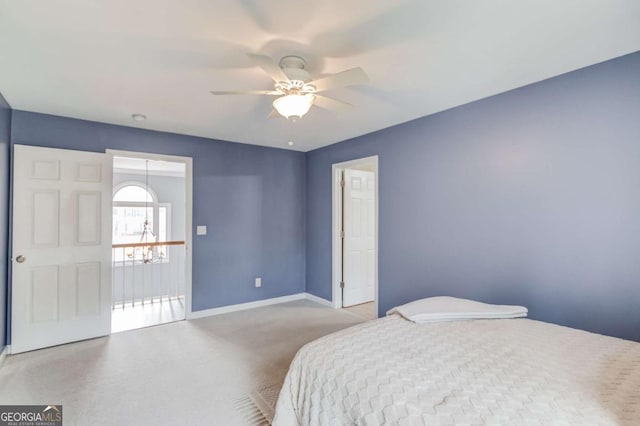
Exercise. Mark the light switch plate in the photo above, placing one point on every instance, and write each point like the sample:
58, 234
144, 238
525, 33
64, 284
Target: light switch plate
201, 230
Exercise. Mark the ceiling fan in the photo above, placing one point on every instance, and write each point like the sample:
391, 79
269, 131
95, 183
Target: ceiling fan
295, 90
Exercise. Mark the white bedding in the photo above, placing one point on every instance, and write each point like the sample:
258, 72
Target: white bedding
446, 308
506, 371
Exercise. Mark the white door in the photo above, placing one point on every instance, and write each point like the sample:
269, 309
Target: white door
359, 237
61, 282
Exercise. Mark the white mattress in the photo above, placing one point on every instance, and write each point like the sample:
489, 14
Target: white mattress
508, 371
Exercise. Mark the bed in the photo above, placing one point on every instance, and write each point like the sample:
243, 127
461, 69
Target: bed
472, 372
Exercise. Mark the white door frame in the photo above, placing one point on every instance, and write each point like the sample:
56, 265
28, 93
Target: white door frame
336, 226
188, 175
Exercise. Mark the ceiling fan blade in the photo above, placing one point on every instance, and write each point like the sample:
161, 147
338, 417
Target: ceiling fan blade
246, 92
341, 79
331, 104
269, 66
274, 114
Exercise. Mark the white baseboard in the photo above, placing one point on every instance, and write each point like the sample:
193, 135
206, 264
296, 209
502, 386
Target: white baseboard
317, 299
257, 304
6, 351
243, 306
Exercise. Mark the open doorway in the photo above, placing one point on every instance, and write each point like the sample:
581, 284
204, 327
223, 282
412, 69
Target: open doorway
150, 234
355, 236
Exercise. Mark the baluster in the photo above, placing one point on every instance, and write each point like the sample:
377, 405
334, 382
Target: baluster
180, 261
163, 269
153, 284
123, 276
113, 278
173, 262
144, 279
162, 273
133, 287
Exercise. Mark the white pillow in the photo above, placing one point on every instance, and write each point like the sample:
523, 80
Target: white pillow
445, 308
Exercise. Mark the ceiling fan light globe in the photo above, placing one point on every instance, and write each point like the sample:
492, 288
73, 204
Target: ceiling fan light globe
293, 106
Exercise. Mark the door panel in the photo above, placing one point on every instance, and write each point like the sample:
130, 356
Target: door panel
46, 218
359, 237
89, 172
89, 218
44, 294
88, 289
45, 169
61, 281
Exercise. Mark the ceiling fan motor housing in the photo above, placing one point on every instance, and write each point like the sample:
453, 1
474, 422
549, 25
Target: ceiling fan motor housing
293, 67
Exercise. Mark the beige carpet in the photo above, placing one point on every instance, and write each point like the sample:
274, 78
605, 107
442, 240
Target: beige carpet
365, 310
213, 370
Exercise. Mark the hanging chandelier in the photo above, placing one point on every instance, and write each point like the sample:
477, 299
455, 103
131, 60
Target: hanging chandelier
146, 253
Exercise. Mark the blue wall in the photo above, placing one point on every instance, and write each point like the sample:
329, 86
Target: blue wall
251, 198
5, 136
529, 197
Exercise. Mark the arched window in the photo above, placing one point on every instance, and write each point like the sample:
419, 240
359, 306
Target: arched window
133, 193
132, 204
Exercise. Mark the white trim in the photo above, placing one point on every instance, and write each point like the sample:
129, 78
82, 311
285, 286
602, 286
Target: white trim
188, 223
118, 187
151, 173
248, 305
336, 225
319, 300
336, 171
6, 351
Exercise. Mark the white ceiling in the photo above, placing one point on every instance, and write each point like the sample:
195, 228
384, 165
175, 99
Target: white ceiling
104, 60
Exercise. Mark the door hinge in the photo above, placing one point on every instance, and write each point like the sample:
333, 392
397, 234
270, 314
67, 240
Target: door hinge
341, 284
342, 234
342, 183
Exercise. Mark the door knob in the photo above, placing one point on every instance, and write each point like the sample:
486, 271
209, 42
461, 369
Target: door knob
20, 259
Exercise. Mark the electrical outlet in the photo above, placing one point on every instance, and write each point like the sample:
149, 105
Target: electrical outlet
258, 282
